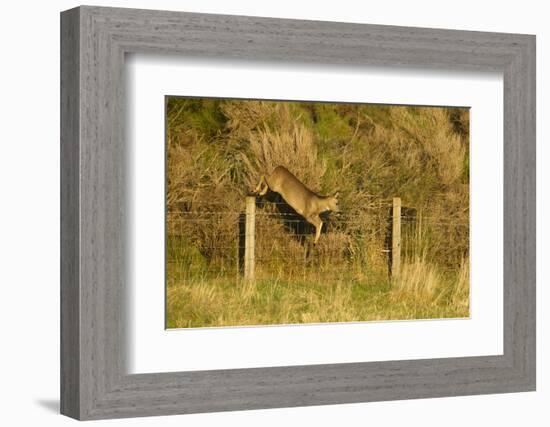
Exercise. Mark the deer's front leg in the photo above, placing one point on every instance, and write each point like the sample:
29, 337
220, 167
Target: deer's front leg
316, 221
318, 232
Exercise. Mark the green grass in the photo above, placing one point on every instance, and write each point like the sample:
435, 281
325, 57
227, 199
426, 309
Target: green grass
203, 300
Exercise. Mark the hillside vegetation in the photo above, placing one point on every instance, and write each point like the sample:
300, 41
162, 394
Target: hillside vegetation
218, 149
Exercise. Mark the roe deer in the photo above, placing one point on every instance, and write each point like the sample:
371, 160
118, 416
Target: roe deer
304, 201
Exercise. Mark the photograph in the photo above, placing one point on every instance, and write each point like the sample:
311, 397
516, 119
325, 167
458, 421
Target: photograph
296, 212
285, 213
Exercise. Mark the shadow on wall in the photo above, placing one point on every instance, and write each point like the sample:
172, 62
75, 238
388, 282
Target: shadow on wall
51, 405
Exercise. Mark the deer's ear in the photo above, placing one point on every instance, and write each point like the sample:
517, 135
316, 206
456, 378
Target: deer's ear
337, 194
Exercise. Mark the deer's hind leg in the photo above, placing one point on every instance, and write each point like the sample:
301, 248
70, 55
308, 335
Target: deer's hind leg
263, 183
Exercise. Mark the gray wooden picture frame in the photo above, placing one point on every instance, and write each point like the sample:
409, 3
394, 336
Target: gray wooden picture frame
94, 382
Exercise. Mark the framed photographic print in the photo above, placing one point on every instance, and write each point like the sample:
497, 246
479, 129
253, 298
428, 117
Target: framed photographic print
262, 213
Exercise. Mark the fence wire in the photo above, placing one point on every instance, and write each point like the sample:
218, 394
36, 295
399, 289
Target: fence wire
210, 244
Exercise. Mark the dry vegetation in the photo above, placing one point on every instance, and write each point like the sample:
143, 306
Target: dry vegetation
216, 152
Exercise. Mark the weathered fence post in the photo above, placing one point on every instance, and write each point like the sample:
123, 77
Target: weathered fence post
396, 238
249, 237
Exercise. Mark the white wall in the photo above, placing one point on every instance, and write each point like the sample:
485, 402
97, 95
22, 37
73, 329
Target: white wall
29, 225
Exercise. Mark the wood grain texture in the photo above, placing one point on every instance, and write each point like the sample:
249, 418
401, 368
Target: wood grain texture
94, 271
70, 292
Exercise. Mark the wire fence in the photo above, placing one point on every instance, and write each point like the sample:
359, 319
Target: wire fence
212, 244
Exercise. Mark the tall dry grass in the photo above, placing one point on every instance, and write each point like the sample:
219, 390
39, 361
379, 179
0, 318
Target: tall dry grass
433, 134
423, 282
293, 148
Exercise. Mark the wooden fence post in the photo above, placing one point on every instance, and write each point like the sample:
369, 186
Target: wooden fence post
249, 237
396, 238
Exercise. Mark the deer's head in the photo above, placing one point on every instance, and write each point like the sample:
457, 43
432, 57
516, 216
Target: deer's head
333, 202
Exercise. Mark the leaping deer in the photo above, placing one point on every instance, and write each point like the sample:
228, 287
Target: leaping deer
304, 201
